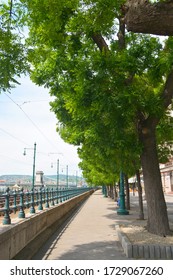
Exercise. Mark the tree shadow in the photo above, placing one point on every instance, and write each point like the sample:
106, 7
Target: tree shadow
93, 251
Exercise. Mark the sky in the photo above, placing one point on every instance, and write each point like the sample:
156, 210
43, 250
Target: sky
26, 119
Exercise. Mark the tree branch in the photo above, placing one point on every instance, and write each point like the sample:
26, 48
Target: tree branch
167, 94
121, 34
100, 42
11, 8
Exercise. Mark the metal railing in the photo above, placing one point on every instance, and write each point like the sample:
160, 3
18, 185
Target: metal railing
13, 201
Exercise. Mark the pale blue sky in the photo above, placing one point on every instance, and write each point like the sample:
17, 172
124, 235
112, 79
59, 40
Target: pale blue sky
28, 122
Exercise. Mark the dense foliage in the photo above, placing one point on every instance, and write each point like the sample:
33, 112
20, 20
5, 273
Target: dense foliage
13, 53
101, 89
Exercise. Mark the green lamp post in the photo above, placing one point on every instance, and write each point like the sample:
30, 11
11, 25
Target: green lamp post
122, 209
57, 172
67, 176
33, 173
57, 177
32, 209
76, 179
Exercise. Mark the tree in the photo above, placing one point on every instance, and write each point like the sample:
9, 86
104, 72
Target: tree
124, 82
13, 53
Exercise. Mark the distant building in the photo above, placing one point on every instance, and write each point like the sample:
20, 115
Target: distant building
2, 182
167, 176
39, 182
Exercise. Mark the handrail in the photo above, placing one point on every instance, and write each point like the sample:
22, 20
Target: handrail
43, 197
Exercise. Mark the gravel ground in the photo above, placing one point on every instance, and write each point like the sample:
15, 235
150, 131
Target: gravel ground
137, 234
135, 229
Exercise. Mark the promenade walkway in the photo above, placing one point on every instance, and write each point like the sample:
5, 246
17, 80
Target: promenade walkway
89, 235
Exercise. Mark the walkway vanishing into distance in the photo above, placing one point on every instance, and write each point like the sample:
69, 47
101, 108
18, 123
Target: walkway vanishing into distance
89, 235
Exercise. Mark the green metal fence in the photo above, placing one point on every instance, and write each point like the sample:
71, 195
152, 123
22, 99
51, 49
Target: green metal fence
42, 198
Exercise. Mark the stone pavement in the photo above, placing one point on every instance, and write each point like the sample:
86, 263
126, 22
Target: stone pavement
89, 235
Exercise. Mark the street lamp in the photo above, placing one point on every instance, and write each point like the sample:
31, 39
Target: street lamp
57, 174
33, 174
76, 178
67, 176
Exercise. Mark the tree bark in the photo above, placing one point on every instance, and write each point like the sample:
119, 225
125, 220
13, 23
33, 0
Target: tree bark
127, 192
100, 42
115, 193
157, 222
142, 16
111, 191
141, 210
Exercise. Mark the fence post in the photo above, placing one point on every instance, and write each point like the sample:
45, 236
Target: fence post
47, 198
40, 206
32, 209
43, 195
56, 195
27, 199
52, 197
60, 192
21, 205
6, 220
37, 197
15, 201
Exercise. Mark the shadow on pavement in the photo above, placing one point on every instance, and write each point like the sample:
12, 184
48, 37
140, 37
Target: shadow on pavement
95, 251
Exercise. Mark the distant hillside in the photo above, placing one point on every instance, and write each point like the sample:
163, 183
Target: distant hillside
15, 178
28, 178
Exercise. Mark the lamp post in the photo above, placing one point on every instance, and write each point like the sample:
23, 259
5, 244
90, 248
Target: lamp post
57, 173
33, 174
76, 178
122, 210
57, 178
67, 176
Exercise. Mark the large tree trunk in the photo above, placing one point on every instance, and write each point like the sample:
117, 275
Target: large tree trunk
115, 193
127, 192
142, 16
141, 210
156, 206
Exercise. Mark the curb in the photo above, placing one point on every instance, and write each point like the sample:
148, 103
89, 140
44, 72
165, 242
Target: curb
146, 251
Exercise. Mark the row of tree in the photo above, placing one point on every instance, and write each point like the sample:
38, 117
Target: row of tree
113, 89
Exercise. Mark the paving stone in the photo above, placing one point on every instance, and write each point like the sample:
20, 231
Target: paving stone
168, 252
171, 251
135, 251
163, 252
151, 250
129, 251
141, 251
157, 252
146, 252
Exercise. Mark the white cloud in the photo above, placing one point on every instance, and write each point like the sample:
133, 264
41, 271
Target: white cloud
26, 123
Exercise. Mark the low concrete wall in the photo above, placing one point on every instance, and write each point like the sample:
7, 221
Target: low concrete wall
14, 238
